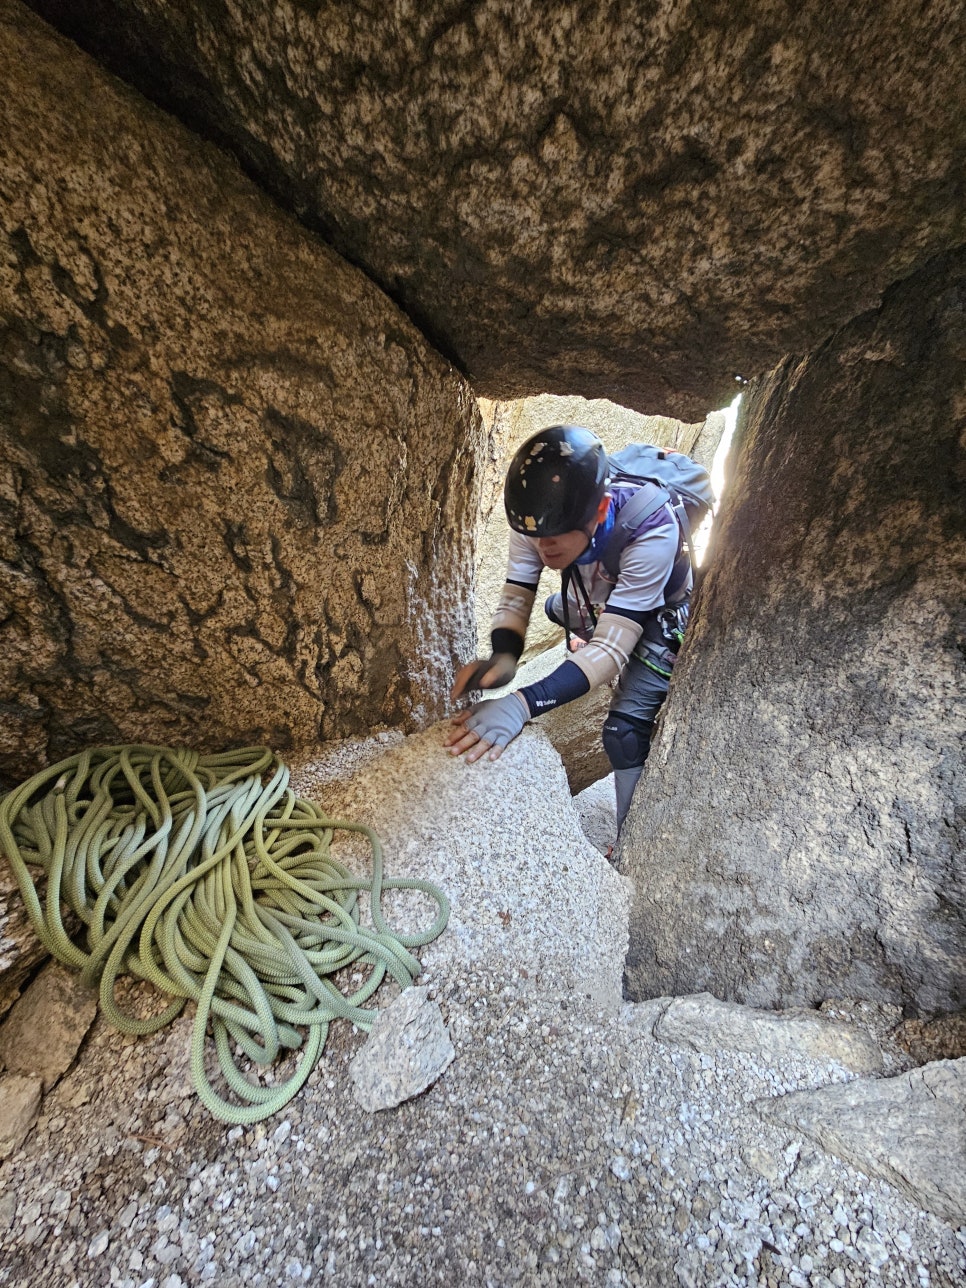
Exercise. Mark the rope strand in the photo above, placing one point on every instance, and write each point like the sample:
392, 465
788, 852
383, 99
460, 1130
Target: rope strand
207, 877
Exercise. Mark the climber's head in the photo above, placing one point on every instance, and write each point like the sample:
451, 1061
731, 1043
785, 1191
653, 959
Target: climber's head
556, 491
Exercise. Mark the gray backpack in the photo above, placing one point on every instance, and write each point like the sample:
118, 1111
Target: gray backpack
665, 476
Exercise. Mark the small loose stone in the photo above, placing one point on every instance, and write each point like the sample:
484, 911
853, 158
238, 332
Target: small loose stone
98, 1245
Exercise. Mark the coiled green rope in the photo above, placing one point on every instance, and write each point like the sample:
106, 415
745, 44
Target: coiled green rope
208, 877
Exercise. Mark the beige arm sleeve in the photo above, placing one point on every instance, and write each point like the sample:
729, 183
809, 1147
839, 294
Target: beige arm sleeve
609, 649
513, 610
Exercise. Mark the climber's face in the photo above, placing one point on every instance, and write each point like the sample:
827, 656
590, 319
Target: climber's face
562, 550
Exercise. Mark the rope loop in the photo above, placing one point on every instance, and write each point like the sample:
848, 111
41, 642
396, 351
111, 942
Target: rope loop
209, 878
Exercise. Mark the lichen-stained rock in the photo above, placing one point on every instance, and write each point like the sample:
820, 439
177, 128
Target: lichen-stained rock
798, 833
631, 201
236, 485
942, 1038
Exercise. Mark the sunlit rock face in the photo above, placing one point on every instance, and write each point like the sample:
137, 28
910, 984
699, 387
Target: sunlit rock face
635, 202
799, 830
237, 487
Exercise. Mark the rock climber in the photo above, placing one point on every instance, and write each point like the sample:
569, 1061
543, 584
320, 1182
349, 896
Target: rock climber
562, 509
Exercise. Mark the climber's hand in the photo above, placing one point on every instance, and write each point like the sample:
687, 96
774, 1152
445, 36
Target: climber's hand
485, 673
488, 727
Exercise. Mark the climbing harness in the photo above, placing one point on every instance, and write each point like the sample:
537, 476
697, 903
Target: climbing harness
670, 618
673, 619
208, 877
655, 658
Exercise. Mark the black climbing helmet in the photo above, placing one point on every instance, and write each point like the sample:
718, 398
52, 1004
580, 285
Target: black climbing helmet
555, 482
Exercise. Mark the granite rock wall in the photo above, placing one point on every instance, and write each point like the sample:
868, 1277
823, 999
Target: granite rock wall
634, 202
237, 487
800, 829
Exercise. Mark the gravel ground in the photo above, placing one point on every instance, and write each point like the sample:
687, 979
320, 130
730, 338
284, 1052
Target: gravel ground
564, 1145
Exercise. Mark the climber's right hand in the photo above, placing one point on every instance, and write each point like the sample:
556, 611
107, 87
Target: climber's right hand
485, 673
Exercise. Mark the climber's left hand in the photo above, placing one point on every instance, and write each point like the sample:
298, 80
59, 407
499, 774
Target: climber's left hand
488, 727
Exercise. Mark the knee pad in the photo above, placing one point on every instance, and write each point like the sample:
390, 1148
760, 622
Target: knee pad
626, 740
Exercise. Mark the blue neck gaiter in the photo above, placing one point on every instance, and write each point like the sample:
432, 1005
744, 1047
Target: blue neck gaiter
596, 548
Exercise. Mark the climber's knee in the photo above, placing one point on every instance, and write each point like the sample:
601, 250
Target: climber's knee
626, 740
553, 607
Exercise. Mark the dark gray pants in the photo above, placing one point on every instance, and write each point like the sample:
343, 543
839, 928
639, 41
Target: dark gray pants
629, 725
633, 710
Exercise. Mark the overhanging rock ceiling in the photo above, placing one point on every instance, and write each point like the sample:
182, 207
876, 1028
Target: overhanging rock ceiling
634, 201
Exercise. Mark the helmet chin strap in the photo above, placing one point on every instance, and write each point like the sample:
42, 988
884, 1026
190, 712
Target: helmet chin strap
595, 522
589, 534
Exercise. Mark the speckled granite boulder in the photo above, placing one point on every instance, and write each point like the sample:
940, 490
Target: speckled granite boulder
634, 202
236, 483
799, 830
504, 841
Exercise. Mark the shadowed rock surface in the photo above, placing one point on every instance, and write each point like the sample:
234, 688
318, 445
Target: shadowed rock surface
236, 485
634, 202
798, 833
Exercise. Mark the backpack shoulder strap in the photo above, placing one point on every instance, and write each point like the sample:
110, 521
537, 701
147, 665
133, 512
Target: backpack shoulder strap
647, 500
